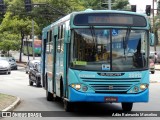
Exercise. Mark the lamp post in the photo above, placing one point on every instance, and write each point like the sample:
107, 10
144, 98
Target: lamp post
109, 4
33, 39
153, 24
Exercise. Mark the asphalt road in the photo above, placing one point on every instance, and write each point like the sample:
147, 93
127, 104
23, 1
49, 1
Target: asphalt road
33, 99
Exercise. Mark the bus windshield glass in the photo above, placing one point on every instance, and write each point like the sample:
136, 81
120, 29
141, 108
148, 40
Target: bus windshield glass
109, 49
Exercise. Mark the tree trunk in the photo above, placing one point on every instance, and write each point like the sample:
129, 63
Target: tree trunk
21, 48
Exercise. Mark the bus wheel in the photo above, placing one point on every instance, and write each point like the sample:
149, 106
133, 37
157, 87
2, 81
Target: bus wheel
49, 95
68, 106
127, 106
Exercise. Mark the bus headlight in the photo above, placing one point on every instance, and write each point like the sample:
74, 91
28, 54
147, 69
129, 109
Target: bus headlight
136, 89
76, 86
143, 86
84, 88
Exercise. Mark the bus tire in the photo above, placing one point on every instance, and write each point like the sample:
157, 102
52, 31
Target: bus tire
68, 106
127, 106
49, 95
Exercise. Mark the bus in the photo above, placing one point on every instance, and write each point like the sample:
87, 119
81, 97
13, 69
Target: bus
28, 47
97, 56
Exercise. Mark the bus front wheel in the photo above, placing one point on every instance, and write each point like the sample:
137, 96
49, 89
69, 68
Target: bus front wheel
68, 106
127, 106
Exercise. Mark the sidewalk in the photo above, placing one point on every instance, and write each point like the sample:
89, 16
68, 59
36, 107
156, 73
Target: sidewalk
8, 102
157, 66
153, 77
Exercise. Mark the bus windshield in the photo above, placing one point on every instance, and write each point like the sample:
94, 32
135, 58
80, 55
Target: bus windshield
109, 49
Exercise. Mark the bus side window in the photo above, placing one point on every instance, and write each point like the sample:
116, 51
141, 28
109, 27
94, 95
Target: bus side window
49, 43
60, 42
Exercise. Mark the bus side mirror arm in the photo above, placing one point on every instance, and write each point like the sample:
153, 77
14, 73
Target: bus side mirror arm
151, 38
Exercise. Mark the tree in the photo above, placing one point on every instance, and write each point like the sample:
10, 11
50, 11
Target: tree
9, 42
19, 26
18, 21
97, 4
120, 4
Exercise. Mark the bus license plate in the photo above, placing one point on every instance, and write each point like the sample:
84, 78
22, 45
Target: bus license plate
111, 99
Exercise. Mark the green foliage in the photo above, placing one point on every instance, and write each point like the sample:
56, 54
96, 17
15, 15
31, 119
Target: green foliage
9, 42
120, 4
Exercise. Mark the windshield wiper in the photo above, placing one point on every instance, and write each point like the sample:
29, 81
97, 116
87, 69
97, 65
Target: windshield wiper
126, 39
93, 35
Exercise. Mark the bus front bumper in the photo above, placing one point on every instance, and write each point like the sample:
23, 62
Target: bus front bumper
76, 96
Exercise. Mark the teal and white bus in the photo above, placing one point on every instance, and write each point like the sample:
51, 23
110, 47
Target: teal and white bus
97, 56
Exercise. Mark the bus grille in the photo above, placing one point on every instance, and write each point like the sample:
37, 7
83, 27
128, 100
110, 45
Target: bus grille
111, 85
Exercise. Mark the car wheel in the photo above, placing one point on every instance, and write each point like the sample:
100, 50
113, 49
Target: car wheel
37, 82
152, 72
30, 83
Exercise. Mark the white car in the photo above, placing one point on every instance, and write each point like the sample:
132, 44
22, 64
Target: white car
5, 67
11, 61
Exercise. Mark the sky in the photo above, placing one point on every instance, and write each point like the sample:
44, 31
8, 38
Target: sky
141, 4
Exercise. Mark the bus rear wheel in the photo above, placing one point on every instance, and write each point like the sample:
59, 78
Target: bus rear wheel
127, 106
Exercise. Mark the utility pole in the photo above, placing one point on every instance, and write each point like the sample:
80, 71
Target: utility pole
153, 24
33, 39
109, 5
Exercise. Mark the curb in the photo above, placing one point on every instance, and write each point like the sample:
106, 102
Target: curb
153, 82
21, 65
13, 105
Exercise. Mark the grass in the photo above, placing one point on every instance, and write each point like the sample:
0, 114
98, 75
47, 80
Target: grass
6, 100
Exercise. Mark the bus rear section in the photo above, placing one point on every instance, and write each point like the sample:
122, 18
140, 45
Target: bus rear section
103, 58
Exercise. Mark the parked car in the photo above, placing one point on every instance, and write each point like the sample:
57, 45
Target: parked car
30, 64
5, 67
34, 75
151, 65
11, 61
153, 56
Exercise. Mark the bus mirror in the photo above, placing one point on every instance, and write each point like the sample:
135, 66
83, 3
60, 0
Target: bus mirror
67, 38
152, 39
